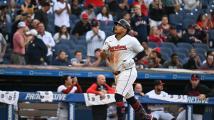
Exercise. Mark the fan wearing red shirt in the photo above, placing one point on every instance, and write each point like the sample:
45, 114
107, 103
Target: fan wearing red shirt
100, 88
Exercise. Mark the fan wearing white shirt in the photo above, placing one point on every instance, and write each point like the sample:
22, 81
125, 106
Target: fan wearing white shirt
158, 110
47, 38
104, 15
62, 11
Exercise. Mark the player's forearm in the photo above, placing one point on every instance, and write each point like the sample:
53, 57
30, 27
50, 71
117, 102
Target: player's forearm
66, 91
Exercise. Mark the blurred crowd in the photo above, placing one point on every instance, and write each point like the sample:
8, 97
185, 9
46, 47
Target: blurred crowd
174, 33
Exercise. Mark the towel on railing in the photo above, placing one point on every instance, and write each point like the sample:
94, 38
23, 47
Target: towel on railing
9, 97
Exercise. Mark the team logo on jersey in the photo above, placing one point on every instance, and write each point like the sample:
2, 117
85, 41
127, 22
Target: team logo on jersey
117, 48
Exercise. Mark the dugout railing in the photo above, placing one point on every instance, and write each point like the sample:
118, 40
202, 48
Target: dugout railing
9, 112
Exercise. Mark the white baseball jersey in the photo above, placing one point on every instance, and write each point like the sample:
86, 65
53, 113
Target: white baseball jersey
122, 51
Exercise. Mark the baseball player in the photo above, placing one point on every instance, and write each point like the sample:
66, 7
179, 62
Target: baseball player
122, 50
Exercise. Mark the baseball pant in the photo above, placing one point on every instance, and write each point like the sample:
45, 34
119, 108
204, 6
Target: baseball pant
124, 82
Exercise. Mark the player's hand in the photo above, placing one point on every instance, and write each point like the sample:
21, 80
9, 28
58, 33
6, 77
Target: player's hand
103, 55
202, 97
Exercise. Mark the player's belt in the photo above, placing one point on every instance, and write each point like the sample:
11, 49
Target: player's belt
118, 72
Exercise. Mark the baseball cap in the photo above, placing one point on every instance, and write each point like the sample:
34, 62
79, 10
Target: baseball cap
137, 6
32, 32
21, 24
158, 82
195, 77
157, 49
84, 16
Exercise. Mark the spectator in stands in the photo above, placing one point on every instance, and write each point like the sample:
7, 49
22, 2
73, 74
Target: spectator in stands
76, 8
3, 46
203, 22
173, 35
95, 3
174, 63
153, 60
195, 88
191, 4
126, 16
70, 85
96, 61
209, 65
61, 59
37, 50
147, 49
27, 7
158, 111
78, 61
42, 15
100, 88
138, 89
144, 8
82, 26
212, 20
5, 20
62, 11
155, 35
90, 11
170, 6
156, 13
20, 41
165, 26
140, 24
47, 39
193, 61
191, 36
104, 15
120, 7
34, 24
148, 2
62, 34
94, 38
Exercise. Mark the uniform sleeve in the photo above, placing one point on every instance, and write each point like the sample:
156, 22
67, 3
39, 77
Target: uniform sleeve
110, 90
92, 89
60, 88
105, 45
137, 47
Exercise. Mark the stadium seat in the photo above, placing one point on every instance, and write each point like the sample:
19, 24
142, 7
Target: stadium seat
67, 42
166, 50
182, 57
152, 44
182, 50
200, 45
200, 51
184, 45
165, 56
211, 38
188, 21
168, 45
175, 19
63, 47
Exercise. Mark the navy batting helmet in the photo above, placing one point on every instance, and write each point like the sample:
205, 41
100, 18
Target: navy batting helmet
123, 23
